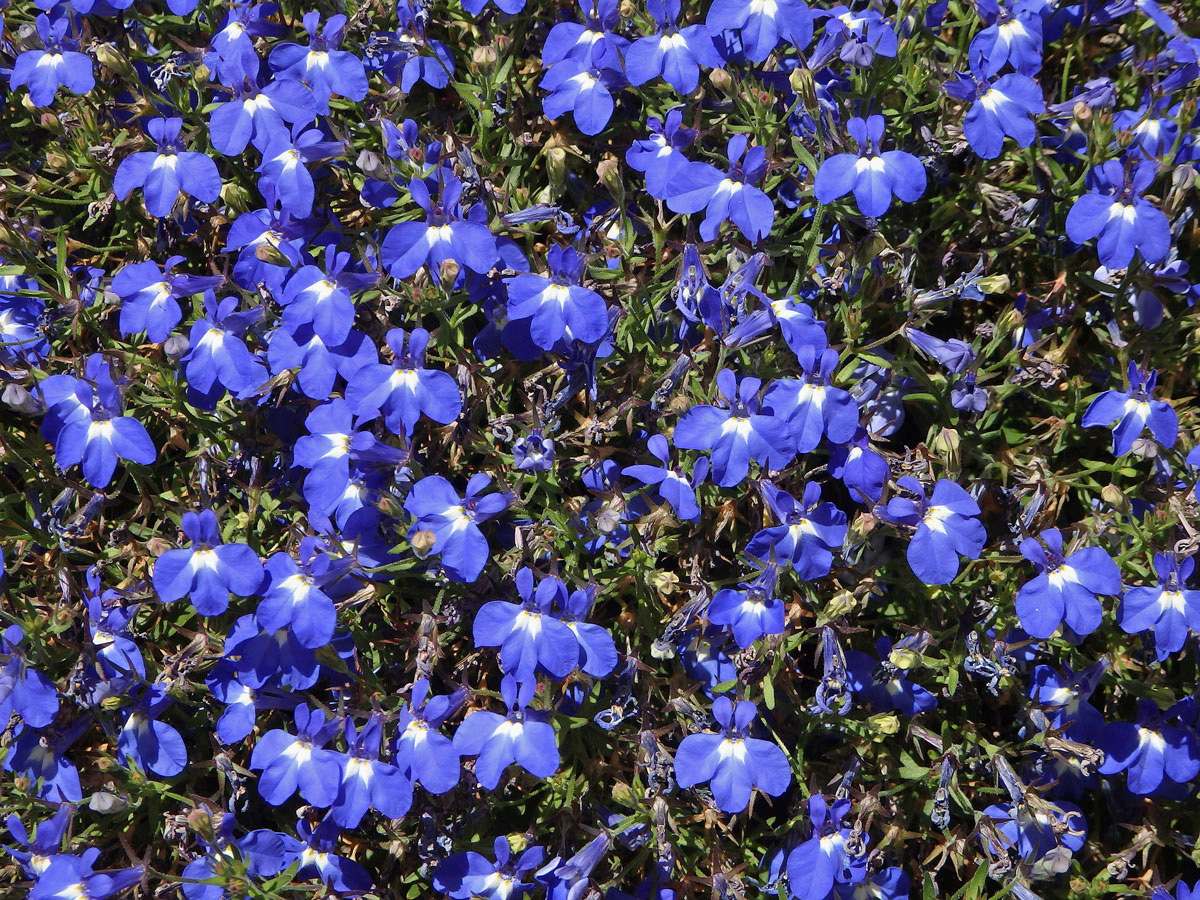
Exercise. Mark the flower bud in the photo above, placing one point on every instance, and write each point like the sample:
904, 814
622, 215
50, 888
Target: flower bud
1083, 116
609, 173
1115, 497
449, 271
369, 162
802, 83
884, 723
422, 542
114, 60
721, 80
946, 445
841, 604
994, 284
556, 170
484, 58
200, 821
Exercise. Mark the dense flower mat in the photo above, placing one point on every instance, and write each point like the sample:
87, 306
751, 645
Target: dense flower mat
642, 450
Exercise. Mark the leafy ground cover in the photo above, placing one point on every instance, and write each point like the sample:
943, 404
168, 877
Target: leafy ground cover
608, 450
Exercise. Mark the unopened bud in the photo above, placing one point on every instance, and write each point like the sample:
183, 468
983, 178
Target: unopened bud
556, 170
423, 541
270, 253
609, 173
157, 546
721, 80
369, 162
449, 271
885, 723
114, 60
994, 284
1115, 497
946, 445
1083, 116
485, 58
628, 10
904, 658
841, 604
200, 821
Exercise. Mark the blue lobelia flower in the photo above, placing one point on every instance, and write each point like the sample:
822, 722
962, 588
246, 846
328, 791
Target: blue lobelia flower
1137, 410
419, 750
1115, 212
283, 172
465, 875
150, 296
327, 70
322, 298
795, 318
660, 156
57, 64
583, 85
1169, 610
455, 522
405, 389
367, 782
1013, 35
69, 877
730, 195
293, 595
209, 571
946, 527
529, 636
1043, 839
149, 744
259, 115
511, 7
807, 535
1153, 753
569, 879
863, 471
523, 737
1065, 588
231, 56
880, 680
1064, 695
317, 854
447, 233
738, 434
410, 55
827, 858
572, 39
299, 761
40, 756
812, 406
533, 452
1182, 892
319, 364
328, 449
84, 423
673, 485
37, 852
674, 53
22, 339
733, 763
762, 25
855, 37
218, 358
163, 174
874, 177
597, 650
891, 883
23, 690
751, 610
558, 305
1000, 107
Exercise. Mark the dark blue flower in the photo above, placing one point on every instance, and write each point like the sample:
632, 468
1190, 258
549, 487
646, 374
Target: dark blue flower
1169, 610
946, 525
327, 70
807, 535
523, 737
57, 63
1065, 588
873, 176
1115, 212
732, 762
455, 522
163, 174
738, 434
209, 571
1137, 410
